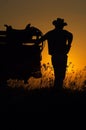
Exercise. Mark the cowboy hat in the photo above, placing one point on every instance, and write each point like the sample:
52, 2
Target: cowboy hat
59, 22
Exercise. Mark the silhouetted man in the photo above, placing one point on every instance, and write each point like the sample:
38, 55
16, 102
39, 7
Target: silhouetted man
59, 43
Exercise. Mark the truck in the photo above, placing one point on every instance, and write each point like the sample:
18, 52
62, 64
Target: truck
20, 55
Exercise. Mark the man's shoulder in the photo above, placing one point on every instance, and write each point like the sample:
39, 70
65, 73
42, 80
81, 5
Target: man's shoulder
49, 33
68, 32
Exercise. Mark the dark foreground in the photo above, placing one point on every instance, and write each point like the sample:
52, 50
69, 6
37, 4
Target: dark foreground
19, 105
44, 96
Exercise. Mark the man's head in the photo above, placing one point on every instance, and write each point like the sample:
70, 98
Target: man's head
59, 22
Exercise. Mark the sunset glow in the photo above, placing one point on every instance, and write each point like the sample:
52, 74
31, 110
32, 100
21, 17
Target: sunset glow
41, 13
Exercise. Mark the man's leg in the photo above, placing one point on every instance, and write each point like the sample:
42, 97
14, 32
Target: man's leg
59, 65
58, 83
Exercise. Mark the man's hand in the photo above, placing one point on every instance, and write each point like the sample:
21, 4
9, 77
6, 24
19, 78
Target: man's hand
68, 48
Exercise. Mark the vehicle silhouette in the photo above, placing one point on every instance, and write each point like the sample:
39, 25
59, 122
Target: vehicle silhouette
20, 56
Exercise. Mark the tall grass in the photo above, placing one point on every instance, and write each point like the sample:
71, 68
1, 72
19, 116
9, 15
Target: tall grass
74, 80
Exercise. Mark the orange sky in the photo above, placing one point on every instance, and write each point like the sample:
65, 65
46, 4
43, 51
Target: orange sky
41, 13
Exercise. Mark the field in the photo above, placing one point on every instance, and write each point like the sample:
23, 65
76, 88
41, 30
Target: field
74, 80
41, 90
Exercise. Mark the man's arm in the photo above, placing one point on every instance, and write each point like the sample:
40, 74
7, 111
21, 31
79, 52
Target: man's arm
43, 38
69, 39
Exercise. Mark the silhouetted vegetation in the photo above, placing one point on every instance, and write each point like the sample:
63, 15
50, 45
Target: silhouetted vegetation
41, 91
74, 80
